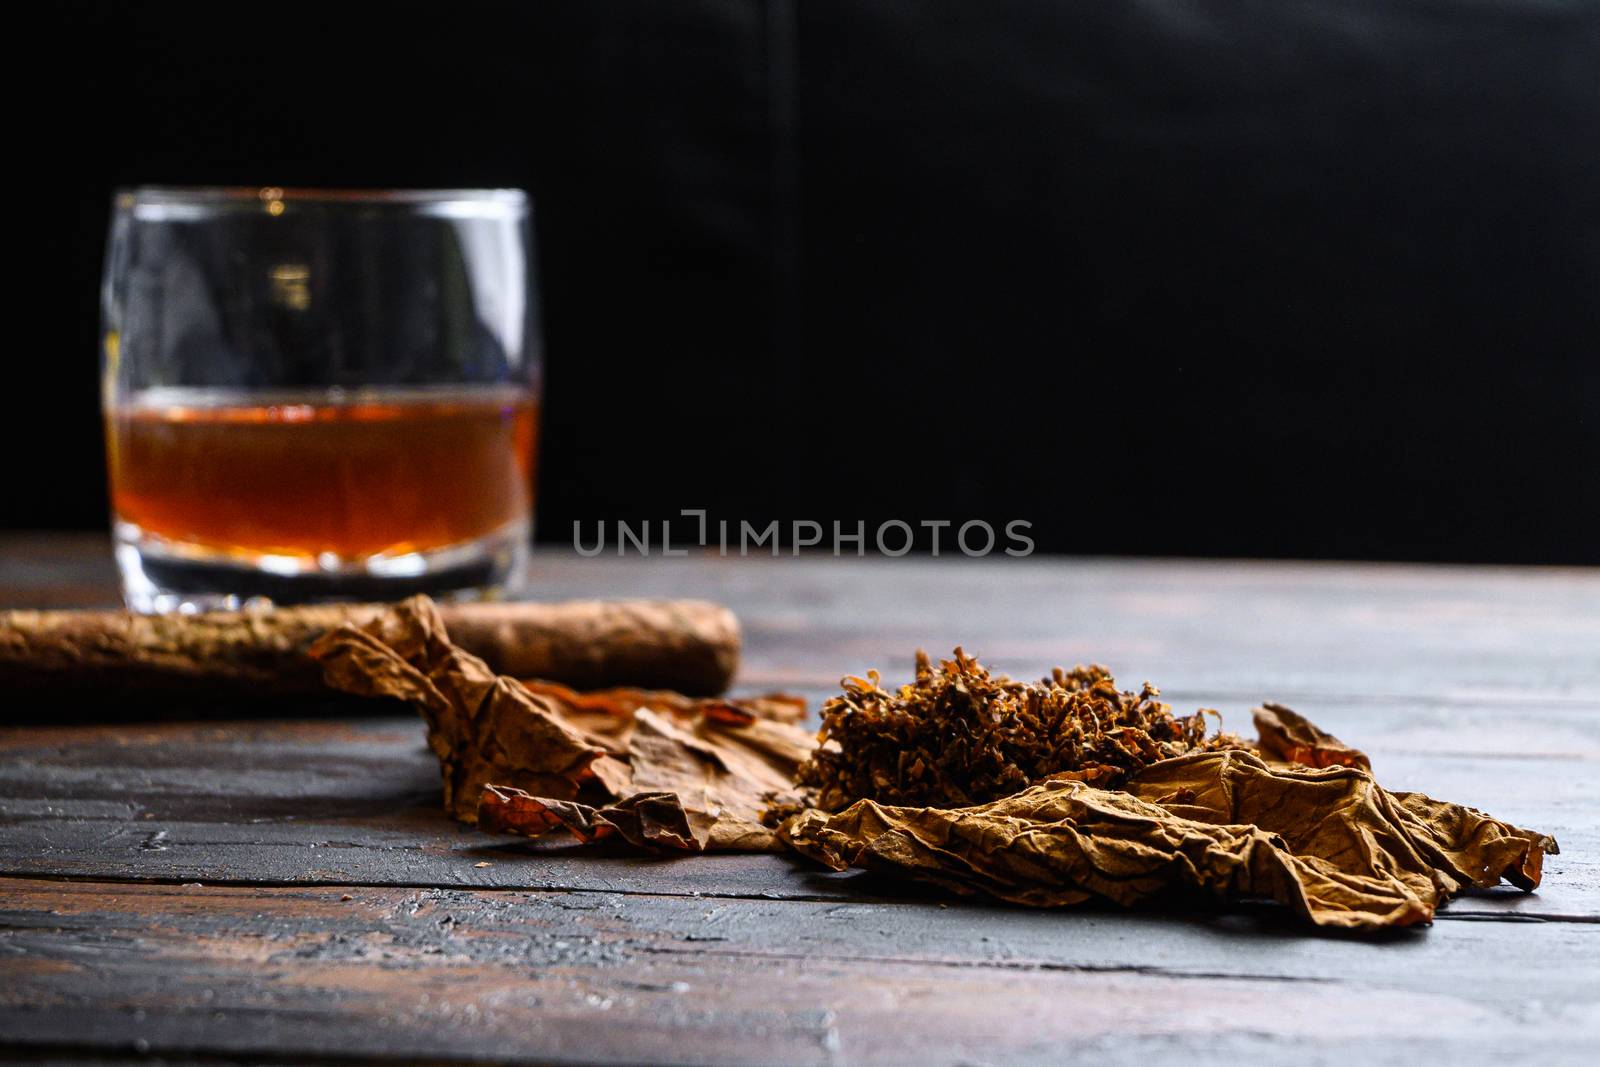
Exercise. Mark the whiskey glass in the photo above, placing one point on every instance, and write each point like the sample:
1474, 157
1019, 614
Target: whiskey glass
318, 395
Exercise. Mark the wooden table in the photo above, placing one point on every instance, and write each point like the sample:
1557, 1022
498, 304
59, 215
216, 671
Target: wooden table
288, 890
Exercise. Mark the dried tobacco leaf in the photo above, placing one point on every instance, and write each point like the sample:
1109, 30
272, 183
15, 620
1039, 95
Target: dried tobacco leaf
959, 735
624, 701
1341, 815
1288, 736
607, 714
644, 820
485, 728
1313, 831
700, 784
1328, 843
530, 752
1473, 848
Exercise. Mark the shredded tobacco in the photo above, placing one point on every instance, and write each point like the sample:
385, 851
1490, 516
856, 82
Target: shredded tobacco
959, 735
1045, 794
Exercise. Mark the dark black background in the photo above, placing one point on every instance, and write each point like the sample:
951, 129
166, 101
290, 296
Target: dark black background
1232, 277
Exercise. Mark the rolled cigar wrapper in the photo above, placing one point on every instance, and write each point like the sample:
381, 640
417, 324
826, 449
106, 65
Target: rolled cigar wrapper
688, 645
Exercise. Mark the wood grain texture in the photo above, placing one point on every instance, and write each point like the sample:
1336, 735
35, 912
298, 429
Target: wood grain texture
600, 978
343, 918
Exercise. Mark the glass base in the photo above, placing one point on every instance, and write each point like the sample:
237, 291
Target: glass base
161, 576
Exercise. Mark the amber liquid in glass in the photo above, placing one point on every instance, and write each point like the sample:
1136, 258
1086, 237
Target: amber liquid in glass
327, 480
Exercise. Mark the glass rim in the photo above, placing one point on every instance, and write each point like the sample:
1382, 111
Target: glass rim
252, 194
194, 203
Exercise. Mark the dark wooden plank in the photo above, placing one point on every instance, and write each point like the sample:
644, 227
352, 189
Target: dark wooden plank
296, 802
1245, 631
600, 978
357, 801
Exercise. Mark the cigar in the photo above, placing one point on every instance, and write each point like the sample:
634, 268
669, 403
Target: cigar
691, 646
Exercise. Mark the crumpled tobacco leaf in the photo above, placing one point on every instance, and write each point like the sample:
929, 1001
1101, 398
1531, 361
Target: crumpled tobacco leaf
529, 757
1307, 825
644, 820
608, 713
1327, 842
698, 783
1088, 792
1288, 736
485, 728
959, 735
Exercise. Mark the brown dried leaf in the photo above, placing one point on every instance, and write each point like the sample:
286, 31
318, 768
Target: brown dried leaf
700, 785
485, 728
1313, 830
621, 703
1290, 737
645, 820
544, 744
1328, 843
1340, 814
1475, 849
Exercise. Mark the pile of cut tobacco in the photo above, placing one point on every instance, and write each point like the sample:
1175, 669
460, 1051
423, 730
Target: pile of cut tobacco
959, 736
1044, 794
